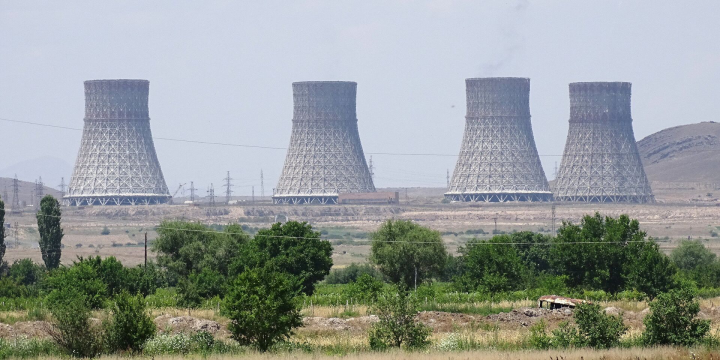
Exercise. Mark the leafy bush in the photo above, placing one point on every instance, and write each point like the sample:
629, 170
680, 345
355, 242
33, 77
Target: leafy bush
26, 272
293, 248
407, 253
398, 325
28, 348
72, 330
263, 308
105, 231
672, 319
365, 288
350, 273
597, 329
129, 326
492, 266
81, 278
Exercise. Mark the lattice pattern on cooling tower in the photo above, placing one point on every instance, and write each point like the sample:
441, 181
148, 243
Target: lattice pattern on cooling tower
117, 163
325, 157
498, 159
601, 162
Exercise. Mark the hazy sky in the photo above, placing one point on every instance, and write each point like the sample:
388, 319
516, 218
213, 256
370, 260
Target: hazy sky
222, 71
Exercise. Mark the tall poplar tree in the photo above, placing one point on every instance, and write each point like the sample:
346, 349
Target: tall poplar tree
2, 230
48, 219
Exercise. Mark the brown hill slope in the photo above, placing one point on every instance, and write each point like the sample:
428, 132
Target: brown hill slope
25, 191
687, 153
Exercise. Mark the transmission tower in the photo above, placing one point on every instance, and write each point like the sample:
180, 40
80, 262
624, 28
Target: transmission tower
15, 207
262, 185
211, 195
228, 188
39, 193
5, 195
62, 187
192, 191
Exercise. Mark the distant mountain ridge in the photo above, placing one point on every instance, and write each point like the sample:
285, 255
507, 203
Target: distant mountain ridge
686, 153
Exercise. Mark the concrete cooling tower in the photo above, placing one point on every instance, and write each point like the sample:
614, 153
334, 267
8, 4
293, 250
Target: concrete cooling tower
601, 162
325, 157
498, 160
117, 163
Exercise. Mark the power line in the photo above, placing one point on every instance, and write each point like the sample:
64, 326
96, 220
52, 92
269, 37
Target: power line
284, 148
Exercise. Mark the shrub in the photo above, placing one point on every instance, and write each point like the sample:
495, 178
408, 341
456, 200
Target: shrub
365, 287
398, 323
492, 266
72, 330
672, 319
597, 329
263, 308
130, 326
105, 231
81, 278
26, 272
351, 273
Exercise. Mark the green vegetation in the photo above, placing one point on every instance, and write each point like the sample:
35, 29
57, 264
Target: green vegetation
51, 234
398, 325
2, 230
263, 308
262, 282
406, 253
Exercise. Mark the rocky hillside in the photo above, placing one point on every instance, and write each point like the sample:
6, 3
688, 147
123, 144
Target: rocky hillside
687, 153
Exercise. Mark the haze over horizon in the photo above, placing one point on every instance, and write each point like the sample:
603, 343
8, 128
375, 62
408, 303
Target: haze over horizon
221, 71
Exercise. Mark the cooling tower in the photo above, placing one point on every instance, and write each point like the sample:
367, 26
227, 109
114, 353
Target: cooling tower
601, 162
117, 164
325, 157
498, 159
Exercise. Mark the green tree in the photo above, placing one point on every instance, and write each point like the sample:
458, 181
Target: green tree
672, 319
407, 253
492, 266
2, 230
129, 326
184, 247
592, 254
263, 308
597, 329
293, 248
691, 254
26, 272
82, 279
533, 249
647, 269
398, 324
72, 329
51, 234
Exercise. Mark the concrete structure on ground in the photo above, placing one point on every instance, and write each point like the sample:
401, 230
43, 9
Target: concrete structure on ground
498, 159
325, 157
117, 163
601, 162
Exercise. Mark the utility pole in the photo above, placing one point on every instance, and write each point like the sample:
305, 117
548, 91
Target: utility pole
211, 194
5, 197
146, 251
253, 194
15, 208
372, 169
556, 170
262, 185
228, 188
192, 192
17, 241
406, 196
447, 179
553, 219
495, 219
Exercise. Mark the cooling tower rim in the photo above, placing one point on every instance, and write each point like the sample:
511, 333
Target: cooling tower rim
116, 81
323, 82
609, 84
480, 79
